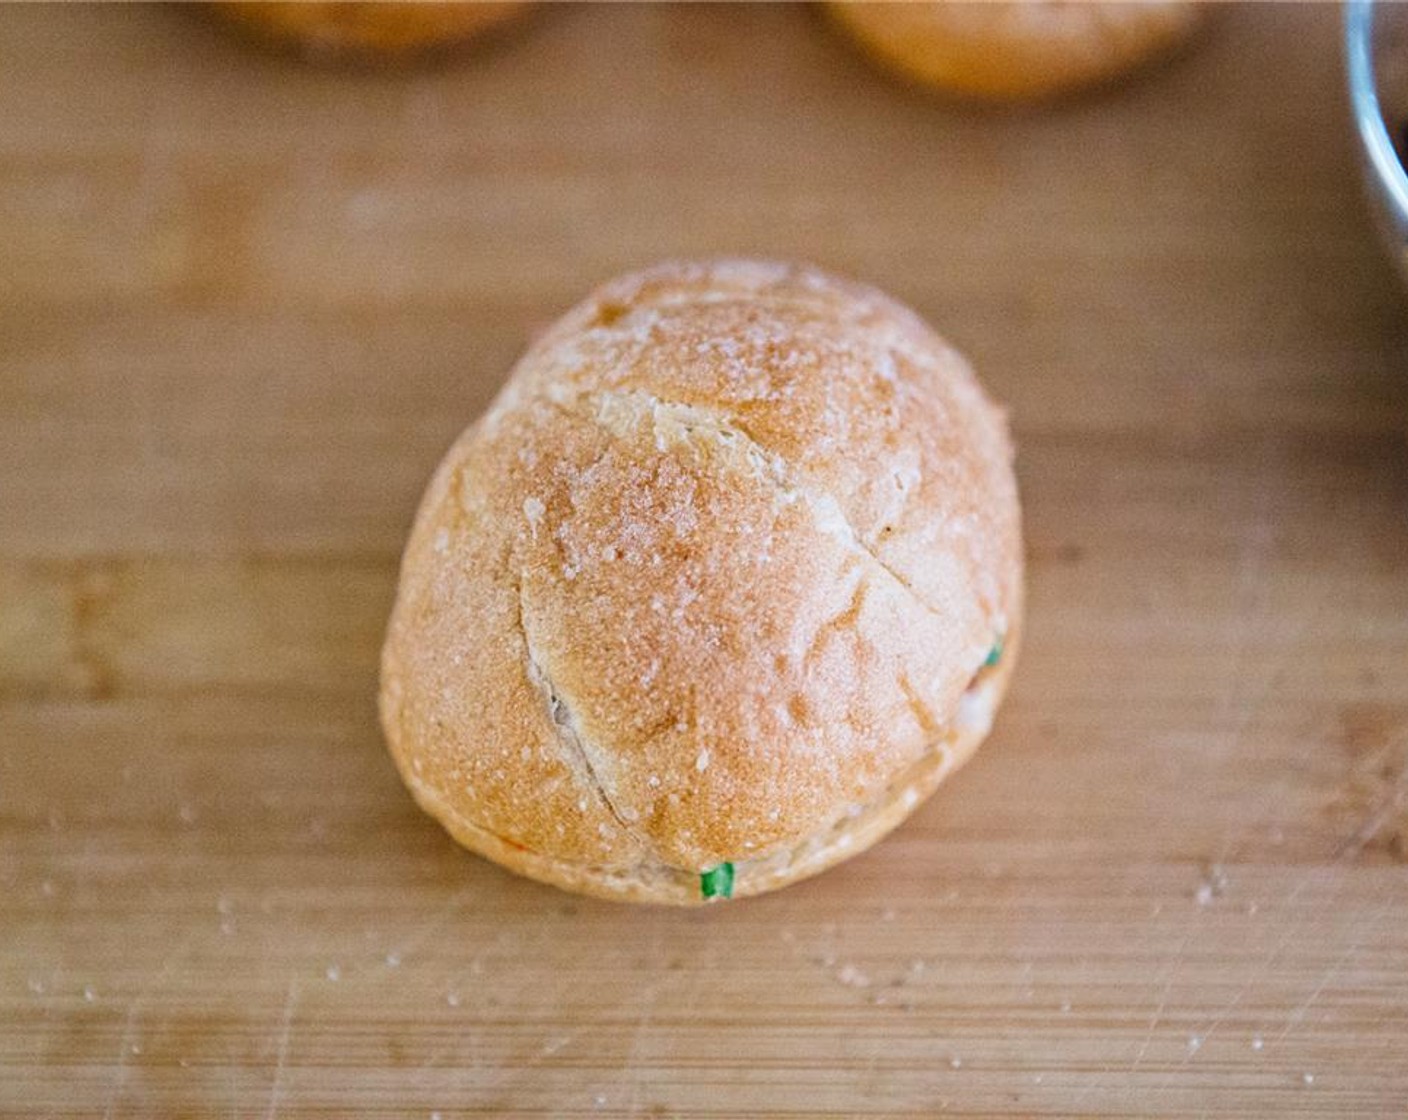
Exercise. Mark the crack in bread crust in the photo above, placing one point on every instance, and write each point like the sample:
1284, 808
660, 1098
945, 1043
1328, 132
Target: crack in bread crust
852, 829
591, 759
726, 427
566, 728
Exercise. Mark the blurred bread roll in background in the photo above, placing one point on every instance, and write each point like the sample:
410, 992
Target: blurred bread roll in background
1016, 51
369, 31
724, 583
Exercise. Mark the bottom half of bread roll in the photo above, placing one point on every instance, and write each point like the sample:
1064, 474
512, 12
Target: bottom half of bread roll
855, 826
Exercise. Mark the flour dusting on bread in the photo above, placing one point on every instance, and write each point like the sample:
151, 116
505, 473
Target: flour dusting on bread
714, 583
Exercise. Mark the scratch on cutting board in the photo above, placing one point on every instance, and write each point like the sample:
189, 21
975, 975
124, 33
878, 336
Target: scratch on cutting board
469, 1036
1348, 851
650, 996
1260, 972
1170, 969
120, 1073
647, 1015
1252, 562
511, 1075
1388, 807
1294, 1018
1298, 1015
285, 1032
1264, 811
1228, 1007
129, 1024
1371, 826
432, 925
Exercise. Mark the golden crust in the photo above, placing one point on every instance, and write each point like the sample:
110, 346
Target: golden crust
713, 580
1024, 50
371, 30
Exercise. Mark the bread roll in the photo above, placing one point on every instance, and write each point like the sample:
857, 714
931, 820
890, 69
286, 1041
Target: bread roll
1016, 51
376, 30
724, 583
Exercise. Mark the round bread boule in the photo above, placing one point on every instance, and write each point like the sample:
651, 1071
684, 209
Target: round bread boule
724, 583
371, 30
1016, 51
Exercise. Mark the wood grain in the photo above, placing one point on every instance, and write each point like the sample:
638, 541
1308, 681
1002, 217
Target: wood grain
244, 306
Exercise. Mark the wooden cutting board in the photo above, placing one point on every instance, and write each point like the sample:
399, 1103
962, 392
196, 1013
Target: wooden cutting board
244, 306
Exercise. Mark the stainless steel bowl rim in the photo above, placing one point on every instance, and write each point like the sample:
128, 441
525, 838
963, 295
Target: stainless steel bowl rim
1368, 113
